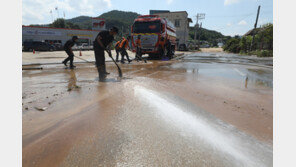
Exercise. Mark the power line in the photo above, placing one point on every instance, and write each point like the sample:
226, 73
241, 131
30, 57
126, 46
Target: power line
235, 21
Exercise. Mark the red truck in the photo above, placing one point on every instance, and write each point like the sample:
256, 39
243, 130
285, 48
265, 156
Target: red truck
152, 28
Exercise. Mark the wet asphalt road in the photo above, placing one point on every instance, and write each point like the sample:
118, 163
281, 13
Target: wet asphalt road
204, 109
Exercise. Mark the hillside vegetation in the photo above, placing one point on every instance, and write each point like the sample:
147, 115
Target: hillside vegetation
211, 36
262, 46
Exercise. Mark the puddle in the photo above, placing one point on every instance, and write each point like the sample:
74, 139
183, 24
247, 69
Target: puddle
246, 69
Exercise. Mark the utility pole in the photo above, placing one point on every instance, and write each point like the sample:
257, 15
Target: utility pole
199, 35
195, 33
255, 26
199, 16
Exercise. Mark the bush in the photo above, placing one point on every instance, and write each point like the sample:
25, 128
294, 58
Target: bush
232, 45
265, 53
262, 47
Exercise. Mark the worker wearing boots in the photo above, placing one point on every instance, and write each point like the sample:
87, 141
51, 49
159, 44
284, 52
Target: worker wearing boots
123, 45
117, 49
138, 48
102, 43
68, 49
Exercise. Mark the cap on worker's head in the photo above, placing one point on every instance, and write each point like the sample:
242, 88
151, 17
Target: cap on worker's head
74, 37
114, 29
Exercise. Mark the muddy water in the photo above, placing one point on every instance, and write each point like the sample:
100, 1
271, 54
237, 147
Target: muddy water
185, 112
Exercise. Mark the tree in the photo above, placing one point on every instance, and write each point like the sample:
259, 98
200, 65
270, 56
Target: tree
263, 42
58, 23
232, 45
71, 25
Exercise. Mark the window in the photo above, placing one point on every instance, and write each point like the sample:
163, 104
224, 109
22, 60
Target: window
177, 23
146, 27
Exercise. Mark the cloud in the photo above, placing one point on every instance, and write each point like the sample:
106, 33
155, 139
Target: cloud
169, 1
38, 11
229, 24
242, 23
230, 2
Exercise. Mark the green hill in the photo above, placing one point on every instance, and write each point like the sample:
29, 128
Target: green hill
123, 20
208, 35
84, 22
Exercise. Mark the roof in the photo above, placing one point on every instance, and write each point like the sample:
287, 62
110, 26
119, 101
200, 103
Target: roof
173, 12
60, 28
179, 12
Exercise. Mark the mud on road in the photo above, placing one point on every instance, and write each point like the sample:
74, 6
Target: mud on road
211, 109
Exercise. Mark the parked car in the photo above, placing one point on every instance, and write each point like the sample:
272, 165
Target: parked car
183, 47
83, 46
58, 46
205, 46
38, 46
76, 47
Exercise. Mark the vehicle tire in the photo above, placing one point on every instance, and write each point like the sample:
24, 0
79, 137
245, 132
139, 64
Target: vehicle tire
51, 49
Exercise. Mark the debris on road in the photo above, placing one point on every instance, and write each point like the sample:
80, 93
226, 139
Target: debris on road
41, 109
32, 68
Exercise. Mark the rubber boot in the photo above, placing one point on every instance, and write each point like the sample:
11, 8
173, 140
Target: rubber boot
65, 63
71, 64
129, 61
102, 75
106, 73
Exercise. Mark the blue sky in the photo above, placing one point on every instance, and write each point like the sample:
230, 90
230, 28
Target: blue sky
230, 17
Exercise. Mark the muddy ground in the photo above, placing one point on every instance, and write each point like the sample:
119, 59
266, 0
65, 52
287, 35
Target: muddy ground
200, 109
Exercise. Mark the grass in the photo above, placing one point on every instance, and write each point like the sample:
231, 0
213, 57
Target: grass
259, 53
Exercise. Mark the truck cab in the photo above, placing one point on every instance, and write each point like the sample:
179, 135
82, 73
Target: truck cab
152, 28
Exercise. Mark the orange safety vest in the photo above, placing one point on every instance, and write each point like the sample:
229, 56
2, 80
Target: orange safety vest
123, 42
117, 44
138, 43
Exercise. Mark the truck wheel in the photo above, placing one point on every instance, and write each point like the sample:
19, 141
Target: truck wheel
51, 49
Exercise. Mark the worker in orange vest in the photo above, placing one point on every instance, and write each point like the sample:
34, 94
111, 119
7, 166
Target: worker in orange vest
123, 45
161, 47
117, 49
138, 48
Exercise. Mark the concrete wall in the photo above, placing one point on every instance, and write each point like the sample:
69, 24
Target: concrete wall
42, 34
183, 30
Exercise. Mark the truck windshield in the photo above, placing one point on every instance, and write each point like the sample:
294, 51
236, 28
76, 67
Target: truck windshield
146, 27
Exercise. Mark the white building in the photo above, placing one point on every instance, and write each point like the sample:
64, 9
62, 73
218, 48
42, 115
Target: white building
61, 35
